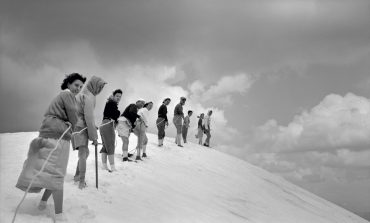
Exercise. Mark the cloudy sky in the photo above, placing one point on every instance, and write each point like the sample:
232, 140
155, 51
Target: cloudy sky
288, 80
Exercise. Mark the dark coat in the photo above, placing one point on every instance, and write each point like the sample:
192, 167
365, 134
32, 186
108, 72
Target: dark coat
130, 113
111, 110
162, 112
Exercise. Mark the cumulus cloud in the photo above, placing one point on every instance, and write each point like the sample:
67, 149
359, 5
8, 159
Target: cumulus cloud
328, 142
336, 123
222, 91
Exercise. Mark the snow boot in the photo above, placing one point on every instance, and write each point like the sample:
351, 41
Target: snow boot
82, 185
60, 217
113, 168
126, 159
105, 166
76, 178
42, 205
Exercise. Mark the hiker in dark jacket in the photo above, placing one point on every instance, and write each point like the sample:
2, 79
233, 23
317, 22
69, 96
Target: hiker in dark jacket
126, 123
207, 127
162, 121
107, 133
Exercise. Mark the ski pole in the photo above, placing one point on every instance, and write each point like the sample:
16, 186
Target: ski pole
96, 166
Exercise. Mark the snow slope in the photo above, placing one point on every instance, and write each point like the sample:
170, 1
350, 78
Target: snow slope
190, 184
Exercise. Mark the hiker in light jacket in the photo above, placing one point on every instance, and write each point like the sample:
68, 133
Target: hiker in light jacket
126, 124
140, 130
199, 135
85, 111
61, 115
186, 125
207, 127
178, 117
107, 133
162, 121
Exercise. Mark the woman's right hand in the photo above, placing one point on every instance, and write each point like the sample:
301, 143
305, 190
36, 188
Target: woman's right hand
95, 142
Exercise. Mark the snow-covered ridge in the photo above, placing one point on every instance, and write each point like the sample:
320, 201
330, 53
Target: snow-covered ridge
190, 184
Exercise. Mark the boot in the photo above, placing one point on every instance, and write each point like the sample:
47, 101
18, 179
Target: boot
138, 158
76, 178
178, 140
60, 217
126, 159
42, 205
144, 155
113, 168
111, 161
105, 166
82, 185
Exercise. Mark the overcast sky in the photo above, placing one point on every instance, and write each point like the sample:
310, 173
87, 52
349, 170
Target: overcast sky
289, 81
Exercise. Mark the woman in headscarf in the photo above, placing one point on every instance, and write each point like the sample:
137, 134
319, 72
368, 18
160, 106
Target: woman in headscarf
107, 133
85, 111
59, 117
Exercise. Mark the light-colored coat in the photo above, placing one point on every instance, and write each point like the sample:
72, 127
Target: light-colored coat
62, 109
86, 101
178, 115
144, 114
207, 122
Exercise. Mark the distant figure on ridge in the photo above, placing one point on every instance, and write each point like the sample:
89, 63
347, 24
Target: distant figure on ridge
186, 125
207, 127
178, 118
199, 135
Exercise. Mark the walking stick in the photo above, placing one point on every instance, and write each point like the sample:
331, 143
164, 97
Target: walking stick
96, 165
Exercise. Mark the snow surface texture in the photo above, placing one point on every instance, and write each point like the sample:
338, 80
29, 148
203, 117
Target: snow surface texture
190, 184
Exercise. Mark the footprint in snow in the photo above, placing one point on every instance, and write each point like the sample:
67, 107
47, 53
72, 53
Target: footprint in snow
80, 213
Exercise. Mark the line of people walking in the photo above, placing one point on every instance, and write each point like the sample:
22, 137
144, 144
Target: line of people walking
70, 118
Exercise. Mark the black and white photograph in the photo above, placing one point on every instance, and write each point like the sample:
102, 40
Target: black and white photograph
185, 111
